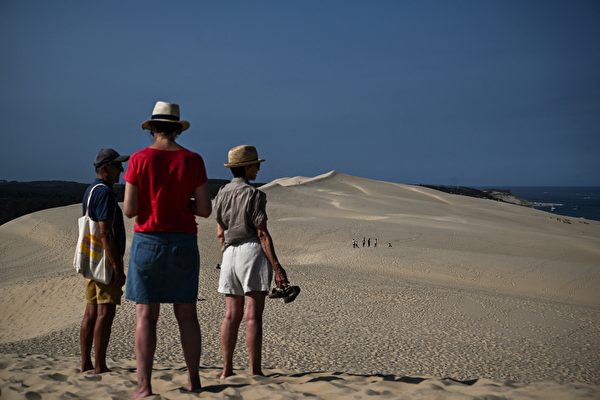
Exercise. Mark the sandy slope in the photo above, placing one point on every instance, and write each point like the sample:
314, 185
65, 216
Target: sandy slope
439, 237
470, 289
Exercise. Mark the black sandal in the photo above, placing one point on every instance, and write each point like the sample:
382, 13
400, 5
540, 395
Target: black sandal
288, 293
292, 293
277, 292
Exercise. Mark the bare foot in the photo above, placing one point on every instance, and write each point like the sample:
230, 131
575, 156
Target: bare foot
226, 374
86, 367
257, 373
140, 394
101, 370
194, 385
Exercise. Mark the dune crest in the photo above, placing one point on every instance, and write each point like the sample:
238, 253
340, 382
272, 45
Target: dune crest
298, 180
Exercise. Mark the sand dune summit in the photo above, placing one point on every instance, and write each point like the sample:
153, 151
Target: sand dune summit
474, 297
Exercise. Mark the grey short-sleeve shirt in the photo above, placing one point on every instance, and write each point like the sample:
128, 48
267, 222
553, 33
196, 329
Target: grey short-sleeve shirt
240, 208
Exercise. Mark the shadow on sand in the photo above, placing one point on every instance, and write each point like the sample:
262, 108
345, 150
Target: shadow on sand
334, 376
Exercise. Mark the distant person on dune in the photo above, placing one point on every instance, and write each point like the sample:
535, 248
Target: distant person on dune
102, 299
249, 259
166, 187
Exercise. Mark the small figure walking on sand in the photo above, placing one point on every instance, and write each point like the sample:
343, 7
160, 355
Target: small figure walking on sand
369, 242
364, 241
375, 244
389, 244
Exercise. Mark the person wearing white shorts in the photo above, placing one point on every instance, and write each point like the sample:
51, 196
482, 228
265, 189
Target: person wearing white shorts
249, 260
245, 269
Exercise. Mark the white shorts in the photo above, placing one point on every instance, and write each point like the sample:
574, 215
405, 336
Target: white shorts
245, 269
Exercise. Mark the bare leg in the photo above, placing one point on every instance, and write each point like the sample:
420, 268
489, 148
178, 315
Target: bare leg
253, 314
234, 312
102, 328
145, 345
86, 337
191, 341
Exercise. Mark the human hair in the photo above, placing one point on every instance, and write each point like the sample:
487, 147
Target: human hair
166, 129
238, 172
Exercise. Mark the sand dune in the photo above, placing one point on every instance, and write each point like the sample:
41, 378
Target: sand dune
471, 289
441, 237
39, 376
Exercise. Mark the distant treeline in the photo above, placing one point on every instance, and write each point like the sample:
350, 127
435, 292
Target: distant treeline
503, 195
21, 198
462, 190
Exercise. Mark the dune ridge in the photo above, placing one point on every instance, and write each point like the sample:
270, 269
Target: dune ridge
470, 289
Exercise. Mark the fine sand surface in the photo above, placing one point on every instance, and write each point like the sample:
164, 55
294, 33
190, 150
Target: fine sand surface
474, 298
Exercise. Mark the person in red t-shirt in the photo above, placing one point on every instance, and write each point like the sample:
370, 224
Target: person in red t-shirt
166, 187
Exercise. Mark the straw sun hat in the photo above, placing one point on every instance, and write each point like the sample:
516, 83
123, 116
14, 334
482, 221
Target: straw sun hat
166, 112
242, 155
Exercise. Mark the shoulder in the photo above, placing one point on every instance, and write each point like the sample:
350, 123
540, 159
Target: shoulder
258, 192
262, 196
143, 153
228, 187
103, 193
102, 203
138, 157
190, 155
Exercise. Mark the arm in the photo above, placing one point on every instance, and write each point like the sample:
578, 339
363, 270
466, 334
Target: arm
266, 242
202, 207
221, 236
110, 246
131, 200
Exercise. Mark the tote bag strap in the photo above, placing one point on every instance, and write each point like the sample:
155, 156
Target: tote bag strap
87, 207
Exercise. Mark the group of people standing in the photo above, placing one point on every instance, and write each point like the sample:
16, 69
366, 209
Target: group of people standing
166, 187
365, 241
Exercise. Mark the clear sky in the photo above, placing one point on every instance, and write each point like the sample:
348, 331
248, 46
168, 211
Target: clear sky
479, 92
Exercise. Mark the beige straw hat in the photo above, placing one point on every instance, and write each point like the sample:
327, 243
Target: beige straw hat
242, 155
166, 112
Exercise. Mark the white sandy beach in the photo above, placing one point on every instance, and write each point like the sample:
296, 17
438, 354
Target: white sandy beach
475, 298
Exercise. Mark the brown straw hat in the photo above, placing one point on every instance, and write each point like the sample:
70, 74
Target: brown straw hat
166, 112
242, 155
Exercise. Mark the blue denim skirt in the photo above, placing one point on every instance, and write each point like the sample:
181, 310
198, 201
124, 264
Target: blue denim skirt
163, 268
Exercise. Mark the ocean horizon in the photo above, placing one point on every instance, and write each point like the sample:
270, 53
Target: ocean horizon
570, 201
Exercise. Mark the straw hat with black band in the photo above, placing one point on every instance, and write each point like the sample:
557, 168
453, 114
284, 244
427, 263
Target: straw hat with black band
165, 112
242, 155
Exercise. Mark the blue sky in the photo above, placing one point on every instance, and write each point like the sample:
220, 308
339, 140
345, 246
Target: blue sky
439, 92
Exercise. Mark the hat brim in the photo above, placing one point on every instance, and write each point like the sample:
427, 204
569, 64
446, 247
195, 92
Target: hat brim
148, 124
121, 159
243, 164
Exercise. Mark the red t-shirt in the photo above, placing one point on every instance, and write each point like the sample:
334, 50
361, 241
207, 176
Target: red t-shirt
165, 181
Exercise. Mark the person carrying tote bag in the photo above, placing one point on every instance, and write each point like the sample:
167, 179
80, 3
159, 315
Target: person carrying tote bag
102, 293
90, 257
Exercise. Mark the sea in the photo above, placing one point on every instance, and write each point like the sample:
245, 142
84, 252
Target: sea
571, 201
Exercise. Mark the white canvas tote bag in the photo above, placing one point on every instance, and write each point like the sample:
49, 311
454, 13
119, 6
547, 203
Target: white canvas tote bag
90, 259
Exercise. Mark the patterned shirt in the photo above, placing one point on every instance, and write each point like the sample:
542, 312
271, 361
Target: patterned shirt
240, 208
